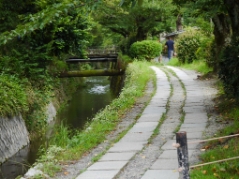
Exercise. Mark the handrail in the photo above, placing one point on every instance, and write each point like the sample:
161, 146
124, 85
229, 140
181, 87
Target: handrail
217, 161
217, 138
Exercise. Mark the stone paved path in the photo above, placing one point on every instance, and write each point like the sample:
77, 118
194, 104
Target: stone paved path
177, 97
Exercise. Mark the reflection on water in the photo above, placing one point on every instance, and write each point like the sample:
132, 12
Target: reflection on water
16, 165
21, 161
99, 89
85, 103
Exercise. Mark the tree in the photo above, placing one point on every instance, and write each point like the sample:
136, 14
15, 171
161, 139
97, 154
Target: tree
146, 18
33, 45
47, 12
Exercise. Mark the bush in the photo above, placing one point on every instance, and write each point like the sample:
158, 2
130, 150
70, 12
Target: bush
187, 45
147, 49
195, 45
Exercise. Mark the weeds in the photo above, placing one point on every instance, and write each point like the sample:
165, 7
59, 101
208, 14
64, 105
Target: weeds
48, 163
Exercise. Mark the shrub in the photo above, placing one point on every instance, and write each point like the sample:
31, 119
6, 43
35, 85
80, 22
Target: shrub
147, 49
187, 45
195, 45
205, 50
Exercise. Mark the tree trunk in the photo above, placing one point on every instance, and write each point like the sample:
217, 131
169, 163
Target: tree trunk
221, 32
179, 24
141, 35
233, 11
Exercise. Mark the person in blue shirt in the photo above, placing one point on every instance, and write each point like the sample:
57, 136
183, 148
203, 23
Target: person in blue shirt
170, 47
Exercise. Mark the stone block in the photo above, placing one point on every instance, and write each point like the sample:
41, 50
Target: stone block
108, 165
126, 147
98, 174
165, 164
143, 127
136, 137
117, 156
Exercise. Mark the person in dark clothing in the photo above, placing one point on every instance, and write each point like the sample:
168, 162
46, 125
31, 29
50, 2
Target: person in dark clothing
170, 47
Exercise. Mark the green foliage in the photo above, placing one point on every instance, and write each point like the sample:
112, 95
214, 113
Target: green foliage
13, 99
206, 50
102, 36
147, 49
42, 13
126, 43
187, 44
149, 18
229, 66
61, 136
49, 163
35, 117
198, 65
32, 52
174, 62
124, 58
194, 45
45, 34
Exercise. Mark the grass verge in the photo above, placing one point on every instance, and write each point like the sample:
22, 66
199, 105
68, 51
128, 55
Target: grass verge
197, 65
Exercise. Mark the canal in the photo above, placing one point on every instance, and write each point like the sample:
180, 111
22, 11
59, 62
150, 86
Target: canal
86, 102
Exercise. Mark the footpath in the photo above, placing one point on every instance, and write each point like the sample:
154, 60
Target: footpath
146, 151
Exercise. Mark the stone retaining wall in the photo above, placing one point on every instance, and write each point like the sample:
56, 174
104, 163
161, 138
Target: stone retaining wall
13, 136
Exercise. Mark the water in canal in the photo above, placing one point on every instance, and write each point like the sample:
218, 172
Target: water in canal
85, 103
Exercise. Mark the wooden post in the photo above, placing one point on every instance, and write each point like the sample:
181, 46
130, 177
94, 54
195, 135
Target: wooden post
182, 150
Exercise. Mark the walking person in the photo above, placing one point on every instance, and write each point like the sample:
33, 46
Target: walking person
170, 47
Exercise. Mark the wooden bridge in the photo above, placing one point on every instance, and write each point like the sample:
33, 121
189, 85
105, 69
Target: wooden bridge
95, 57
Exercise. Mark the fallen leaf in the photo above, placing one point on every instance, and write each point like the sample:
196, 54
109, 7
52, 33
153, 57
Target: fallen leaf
225, 146
66, 173
214, 169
